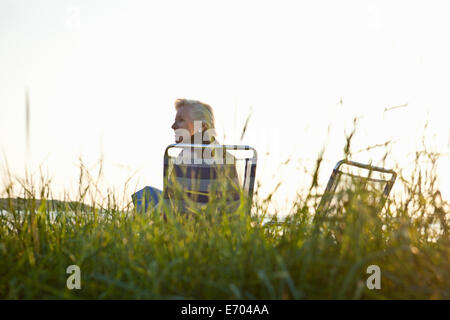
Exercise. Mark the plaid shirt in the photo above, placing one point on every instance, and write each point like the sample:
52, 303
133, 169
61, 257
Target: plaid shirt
194, 180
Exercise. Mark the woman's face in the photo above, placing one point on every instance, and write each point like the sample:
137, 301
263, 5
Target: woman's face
183, 125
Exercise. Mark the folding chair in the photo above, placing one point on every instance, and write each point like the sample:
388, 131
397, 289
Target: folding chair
196, 179
368, 183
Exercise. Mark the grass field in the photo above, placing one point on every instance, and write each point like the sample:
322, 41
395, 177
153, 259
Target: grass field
221, 255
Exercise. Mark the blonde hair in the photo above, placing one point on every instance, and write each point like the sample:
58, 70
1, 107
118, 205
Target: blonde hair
199, 111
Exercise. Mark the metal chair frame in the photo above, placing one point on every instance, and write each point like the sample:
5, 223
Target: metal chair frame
249, 171
334, 181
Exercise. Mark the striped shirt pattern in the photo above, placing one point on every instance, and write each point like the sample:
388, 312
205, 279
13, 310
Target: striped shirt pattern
199, 183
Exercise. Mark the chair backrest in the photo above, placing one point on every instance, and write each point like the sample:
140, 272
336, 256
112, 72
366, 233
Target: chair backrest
367, 183
195, 175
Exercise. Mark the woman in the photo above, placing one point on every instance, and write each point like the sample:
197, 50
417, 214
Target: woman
195, 171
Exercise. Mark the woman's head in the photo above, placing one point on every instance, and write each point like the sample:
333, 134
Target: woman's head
193, 117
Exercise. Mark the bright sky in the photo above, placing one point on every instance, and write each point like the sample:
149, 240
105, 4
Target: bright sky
103, 76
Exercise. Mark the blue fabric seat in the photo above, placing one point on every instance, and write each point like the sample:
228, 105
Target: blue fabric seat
146, 197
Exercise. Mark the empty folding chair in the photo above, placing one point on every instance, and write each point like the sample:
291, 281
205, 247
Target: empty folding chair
376, 181
361, 180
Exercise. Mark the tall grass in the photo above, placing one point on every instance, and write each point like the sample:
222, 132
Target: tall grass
225, 255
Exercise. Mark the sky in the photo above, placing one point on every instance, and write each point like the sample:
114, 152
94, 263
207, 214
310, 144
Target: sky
102, 77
